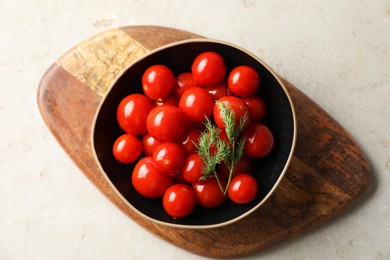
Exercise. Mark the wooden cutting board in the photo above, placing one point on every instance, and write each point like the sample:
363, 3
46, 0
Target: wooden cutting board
328, 170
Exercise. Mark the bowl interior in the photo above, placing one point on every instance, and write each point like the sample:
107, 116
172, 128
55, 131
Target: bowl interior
179, 57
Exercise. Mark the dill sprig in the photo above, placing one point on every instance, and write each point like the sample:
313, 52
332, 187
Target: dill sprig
214, 151
208, 141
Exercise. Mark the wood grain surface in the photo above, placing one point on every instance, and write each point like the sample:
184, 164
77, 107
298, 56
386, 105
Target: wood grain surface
328, 170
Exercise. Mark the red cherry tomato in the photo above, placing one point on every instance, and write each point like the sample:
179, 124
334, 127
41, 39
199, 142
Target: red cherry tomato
257, 108
239, 108
127, 148
157, 82
244, 165
242, 189
208, 193
197, 104
168, 158
243, 81
192, 168
217, 91
166, 123
259, 141
189, 140
183, 82
149, 144
132, 112
171, 99
208, 69
179, 200
148, 181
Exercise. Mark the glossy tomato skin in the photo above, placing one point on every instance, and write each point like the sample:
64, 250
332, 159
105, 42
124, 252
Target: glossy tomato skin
259, 140
208, 69
242, 189
243, 81
166, 123
157, 82
183, 82
197, 104
244, 165
208, 193
171, 99
148, 181
239, 107
179, 200
189, 140
127, 148
132, 112
168, 158
149, 144
192, 168
257, 108
218, 91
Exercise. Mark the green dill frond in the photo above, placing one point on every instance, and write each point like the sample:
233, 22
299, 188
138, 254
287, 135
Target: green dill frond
215, 151
243, 120
239, 149
228, 118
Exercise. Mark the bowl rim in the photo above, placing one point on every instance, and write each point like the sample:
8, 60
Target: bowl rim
186, 226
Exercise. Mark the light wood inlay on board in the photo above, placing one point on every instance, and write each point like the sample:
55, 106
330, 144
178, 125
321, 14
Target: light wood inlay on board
98, 61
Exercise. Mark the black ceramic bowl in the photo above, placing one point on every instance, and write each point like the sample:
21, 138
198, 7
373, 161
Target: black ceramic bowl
179, 56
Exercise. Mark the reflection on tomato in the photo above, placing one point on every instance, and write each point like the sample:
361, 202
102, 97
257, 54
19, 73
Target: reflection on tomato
243, 81
132, 112
148, 181
259, 141
217, 91
127, 148
166, 123
197, 104
157, 82
242, 189
189, 140
171, 99
149, 144
192, 168
183, 82
168, 158
179, 200
208, 69
208, 193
